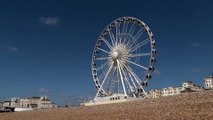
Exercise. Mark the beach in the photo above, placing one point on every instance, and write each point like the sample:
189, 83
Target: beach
195, 105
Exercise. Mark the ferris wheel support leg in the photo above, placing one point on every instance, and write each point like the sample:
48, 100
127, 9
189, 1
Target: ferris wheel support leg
96, 95
144, 92
122, 81
134, 96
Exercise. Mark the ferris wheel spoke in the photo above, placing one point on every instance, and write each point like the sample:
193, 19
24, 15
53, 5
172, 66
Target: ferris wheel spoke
131, 74
122, 80
110, 68
125, 27
132, 80
103, 50
122, 73
106, 85
112, 81
102, 66
138, 34
117, 32
134, 76
103, 73
103, 58
108, 44
131, 90
112, 37
137, 65
139, 55
132, 29
118, 80
124, 32
127, 81
144, 42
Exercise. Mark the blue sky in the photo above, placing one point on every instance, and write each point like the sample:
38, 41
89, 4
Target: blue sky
46, 46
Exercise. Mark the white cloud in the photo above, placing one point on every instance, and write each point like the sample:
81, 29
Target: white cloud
196, 70
157, 72
195, 44
51, 21
12, 48
43, 90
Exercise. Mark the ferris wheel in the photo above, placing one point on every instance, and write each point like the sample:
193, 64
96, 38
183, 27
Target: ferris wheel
123, 58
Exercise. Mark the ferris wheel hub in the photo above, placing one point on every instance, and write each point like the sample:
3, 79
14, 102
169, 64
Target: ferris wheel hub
114, 55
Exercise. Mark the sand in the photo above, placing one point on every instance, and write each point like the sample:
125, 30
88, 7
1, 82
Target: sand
187, 106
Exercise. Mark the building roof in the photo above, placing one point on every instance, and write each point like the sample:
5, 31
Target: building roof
187, 90
188, 82
45, 100
35, 97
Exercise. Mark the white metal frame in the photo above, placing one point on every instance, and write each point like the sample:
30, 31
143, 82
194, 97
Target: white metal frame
117, 48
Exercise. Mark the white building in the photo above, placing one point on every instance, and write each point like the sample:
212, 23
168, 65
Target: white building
6, 103
32, 102
171, 91
208, 82
154, 93
167, 91
191, 85
187, 84
177, 90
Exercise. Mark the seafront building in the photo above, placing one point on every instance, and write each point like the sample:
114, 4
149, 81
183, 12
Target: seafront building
208, 82
167, 91
171, 91
187, 84
154, 93
174, 90
191, 85
31, 102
